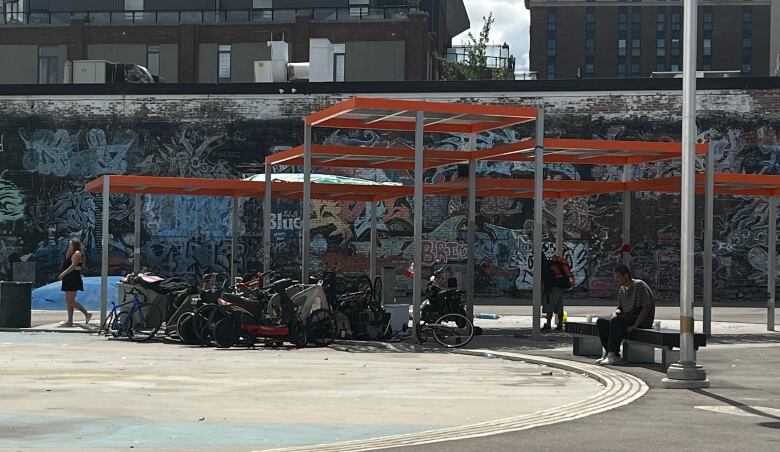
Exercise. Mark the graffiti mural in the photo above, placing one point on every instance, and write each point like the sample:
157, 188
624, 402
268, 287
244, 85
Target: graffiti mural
47, 159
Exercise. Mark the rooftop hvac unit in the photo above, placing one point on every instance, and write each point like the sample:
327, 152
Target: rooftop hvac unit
271, 71
298, 71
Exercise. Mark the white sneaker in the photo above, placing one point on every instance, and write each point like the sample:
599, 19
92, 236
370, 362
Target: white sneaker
611, 360
603, 357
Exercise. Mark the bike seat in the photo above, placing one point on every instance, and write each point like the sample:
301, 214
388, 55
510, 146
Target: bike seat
255, 307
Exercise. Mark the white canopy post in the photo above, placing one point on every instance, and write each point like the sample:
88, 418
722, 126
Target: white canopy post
418, 219
772, 263
559, 204
233, 238
538, 218
472, 228
104, 248
306, 207
137, 233
626, 249
709, 204
372, 248
267, 218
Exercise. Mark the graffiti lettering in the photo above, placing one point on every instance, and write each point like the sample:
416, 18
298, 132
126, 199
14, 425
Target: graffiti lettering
444, 252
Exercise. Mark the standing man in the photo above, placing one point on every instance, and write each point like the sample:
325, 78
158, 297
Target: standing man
557, 278
636, 309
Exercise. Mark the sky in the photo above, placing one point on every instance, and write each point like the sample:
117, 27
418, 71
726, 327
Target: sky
510, 26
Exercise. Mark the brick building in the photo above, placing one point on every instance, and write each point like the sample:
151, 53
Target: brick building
620, 39
217, 41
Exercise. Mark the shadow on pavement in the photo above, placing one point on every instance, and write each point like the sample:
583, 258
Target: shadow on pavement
746, 408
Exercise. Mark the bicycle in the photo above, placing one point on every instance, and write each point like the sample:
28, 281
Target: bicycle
140, 323
450, 330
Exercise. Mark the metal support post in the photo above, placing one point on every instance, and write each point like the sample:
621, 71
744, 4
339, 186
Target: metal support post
233, 239
559, 204
372, 248
472, 229
418, 219
709, 201
137, 234
772, 264
538, 216
626, 249
104, 248
306, 207
686, 373
267, 218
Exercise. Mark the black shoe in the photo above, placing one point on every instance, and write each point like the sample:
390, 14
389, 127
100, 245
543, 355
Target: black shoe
546, 327
559, 328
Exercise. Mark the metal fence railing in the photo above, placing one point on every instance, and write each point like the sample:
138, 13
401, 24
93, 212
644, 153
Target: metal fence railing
203, 16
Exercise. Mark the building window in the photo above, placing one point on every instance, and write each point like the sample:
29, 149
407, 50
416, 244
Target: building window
622, 19
707, 67
590, 47
675, 21
134, 5
635, 47
262, 4
660, 67
590, 70
675, 67
746, 68
14, 12
48, 65
551, 21
224, 64
636, 20
621, 47
634, 69
551, 47
621, 70
660, 47
707, 46
747, 43
661, 22
551, 71
707, 18
153, 60
339, 61
675, 47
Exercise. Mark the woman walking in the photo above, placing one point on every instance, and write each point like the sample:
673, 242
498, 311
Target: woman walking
71, 280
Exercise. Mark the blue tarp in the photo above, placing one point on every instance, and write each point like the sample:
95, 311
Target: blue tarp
50, 297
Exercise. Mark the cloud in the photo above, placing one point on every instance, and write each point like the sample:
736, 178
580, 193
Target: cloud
511, 25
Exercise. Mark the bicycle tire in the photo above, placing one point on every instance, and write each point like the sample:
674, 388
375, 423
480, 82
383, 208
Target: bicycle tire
321, 328
104, 327
297, 333
451, 336
144, 323
118, 327
225, 332
203, 322
364, 284
185, 329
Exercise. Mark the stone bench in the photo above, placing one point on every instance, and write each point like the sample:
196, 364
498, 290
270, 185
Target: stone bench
638, 346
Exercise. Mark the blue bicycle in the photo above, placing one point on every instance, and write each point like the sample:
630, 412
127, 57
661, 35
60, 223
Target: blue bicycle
136, 319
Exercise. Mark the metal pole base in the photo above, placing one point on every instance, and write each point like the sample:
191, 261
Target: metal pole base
685, 375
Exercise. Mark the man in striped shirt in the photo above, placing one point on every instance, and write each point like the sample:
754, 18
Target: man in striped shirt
636, 309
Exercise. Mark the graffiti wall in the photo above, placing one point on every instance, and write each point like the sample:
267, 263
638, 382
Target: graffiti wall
49, 152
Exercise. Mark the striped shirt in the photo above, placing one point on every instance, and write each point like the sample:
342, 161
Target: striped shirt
633, 297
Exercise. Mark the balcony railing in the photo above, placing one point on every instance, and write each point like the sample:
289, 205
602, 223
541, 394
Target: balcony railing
34, 18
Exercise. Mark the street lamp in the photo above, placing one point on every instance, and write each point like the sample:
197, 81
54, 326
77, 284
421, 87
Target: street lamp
686, 374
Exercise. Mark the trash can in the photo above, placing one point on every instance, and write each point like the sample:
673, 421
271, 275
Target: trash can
15, 304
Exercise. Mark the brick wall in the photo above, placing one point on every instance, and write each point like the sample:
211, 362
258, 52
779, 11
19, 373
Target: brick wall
51, 145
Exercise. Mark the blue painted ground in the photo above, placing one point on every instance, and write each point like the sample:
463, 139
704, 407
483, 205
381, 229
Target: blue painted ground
50, 297
57, 432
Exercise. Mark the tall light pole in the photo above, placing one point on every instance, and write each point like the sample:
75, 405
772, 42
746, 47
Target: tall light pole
686, 374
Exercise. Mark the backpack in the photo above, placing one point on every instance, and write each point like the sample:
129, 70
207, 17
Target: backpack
562, 275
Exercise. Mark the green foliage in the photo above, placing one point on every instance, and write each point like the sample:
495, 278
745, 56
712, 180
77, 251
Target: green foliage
475, 65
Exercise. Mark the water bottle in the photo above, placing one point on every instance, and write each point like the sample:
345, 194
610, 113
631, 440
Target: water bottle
482, 315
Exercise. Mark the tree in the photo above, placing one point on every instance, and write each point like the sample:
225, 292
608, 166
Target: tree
474, 67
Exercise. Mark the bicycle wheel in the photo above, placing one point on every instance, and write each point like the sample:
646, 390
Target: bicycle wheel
378, 290
225, 332
144, 323
203, 322
297, 333
364, 284
105, 327
447, 332
185, 328
118, 327
321, 328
